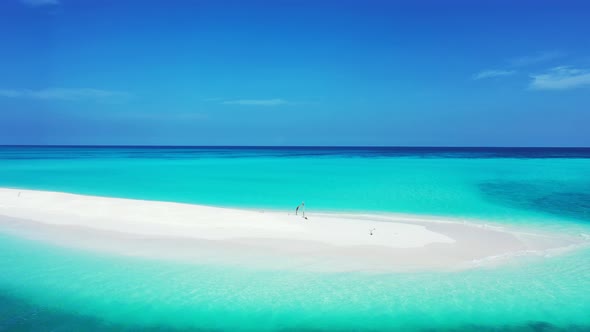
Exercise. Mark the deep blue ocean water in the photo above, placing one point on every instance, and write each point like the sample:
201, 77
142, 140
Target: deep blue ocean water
43, 287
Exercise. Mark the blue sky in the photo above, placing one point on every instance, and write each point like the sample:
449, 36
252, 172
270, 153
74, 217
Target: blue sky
434, 73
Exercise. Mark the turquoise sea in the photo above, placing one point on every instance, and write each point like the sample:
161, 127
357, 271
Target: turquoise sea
49, 288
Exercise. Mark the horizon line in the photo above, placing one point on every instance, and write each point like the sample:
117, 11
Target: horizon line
291, 146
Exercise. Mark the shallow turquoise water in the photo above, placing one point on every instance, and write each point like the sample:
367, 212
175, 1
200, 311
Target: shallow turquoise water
510, 187
45, 286
59, 289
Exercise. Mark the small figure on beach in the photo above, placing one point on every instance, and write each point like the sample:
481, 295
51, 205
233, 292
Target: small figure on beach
371, 231
302, 207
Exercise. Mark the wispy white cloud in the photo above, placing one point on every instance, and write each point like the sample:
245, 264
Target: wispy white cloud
163, 116
535, 58
522, 61
492, 74
561, 78
63, 94
256, 102
38, 3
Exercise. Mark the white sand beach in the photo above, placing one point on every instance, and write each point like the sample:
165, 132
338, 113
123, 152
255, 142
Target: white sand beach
267, 239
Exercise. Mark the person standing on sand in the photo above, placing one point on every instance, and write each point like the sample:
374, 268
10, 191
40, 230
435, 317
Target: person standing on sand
302, 206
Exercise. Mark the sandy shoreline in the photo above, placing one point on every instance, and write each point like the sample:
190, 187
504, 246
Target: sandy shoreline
211, 235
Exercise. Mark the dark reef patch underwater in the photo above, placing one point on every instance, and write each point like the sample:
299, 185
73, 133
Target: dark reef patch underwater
562, 199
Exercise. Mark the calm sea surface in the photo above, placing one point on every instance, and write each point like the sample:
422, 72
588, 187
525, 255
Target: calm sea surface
43, 287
